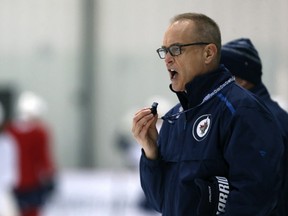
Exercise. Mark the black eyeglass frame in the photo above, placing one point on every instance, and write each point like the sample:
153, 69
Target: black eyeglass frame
179, 46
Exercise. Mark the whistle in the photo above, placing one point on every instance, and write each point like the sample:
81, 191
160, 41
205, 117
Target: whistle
154, 108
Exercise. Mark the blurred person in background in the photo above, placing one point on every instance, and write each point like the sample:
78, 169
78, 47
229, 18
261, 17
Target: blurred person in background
36, 168
214, 152
8, 170
242, 59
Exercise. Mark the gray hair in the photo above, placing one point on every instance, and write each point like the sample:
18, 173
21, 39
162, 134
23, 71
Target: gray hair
207, 29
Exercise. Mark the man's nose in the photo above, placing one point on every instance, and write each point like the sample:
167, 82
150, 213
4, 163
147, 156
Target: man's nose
168, 58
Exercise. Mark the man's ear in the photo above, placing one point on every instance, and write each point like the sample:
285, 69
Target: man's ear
210, 53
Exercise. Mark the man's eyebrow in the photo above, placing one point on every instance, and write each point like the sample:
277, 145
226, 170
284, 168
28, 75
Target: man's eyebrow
171, 45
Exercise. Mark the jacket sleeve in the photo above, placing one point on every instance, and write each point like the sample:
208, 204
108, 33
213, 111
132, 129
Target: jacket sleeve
253, 153
151, 181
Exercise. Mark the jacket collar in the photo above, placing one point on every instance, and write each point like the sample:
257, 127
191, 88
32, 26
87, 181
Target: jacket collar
200, 86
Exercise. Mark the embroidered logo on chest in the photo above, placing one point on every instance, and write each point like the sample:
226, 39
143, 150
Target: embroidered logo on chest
201, 127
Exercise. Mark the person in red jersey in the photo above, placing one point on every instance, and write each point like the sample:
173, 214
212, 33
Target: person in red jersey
36, 166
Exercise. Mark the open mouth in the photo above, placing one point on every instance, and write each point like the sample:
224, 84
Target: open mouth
173, 73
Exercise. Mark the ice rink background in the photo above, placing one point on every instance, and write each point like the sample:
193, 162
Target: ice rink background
98, 193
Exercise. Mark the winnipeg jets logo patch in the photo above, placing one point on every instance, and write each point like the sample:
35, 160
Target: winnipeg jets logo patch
201, 127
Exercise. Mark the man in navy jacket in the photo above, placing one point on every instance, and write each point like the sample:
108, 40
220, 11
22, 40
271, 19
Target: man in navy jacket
217, 131
242, 59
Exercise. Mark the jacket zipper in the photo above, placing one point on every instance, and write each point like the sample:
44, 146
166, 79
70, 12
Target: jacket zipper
172, 189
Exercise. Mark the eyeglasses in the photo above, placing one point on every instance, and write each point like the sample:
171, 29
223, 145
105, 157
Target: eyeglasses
176, 49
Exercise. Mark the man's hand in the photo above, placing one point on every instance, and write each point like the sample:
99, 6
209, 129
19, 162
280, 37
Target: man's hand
145, 132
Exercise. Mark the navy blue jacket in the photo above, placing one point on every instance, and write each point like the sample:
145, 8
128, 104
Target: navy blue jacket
282, 119
226, 133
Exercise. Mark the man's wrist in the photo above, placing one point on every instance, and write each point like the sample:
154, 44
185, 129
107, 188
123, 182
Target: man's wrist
151, 155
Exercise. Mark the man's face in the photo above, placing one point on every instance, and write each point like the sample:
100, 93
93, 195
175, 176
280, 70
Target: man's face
190, 63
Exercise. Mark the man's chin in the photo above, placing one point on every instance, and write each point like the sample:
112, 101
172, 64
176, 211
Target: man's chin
176, 88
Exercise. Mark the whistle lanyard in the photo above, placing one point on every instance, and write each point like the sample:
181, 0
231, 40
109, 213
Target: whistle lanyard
171, 118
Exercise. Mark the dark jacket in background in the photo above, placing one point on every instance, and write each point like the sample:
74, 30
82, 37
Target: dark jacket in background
282, 119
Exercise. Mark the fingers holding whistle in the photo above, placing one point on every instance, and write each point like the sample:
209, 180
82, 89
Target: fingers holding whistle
145, 131
144, 118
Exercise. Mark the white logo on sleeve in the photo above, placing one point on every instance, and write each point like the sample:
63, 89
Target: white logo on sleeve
224, 191
201, 127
